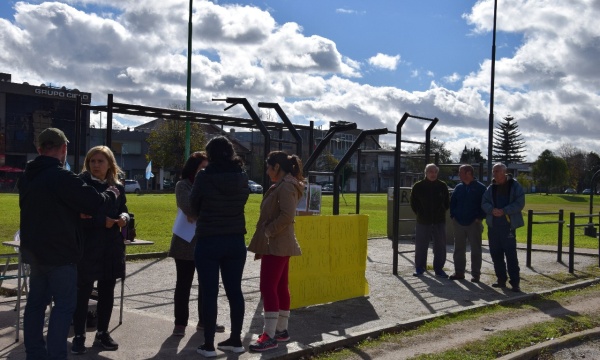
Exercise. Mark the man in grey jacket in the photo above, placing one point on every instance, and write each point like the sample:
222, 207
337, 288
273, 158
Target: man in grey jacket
503, 202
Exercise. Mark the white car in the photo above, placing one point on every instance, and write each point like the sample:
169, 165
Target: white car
255, 187
132, 186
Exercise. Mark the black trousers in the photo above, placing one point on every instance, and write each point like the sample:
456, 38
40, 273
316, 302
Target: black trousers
183, 286
106, 297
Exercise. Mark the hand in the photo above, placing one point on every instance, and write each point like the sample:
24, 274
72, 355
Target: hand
122, 221
110, 222
114, 190
191, 219
498, 212
85, 216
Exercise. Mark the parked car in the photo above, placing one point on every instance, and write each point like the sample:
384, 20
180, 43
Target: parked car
570, 191
168, 184
587, 191
327, 188
255, 187
132, 186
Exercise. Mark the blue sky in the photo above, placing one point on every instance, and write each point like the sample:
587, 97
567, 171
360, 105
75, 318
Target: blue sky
367, 62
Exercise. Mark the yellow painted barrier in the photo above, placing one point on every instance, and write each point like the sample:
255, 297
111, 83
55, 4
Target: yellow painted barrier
333, 262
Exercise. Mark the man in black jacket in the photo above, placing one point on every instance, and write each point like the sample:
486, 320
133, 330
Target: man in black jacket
52, 200
430, 200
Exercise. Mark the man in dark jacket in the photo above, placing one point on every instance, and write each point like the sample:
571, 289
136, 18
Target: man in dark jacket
52, 200
429, 199
467, 215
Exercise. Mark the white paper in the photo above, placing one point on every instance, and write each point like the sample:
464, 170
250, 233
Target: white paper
183, 228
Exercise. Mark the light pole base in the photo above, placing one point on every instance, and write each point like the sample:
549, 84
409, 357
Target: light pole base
590, 231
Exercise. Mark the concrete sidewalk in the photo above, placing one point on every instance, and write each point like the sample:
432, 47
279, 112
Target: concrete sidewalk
394, 303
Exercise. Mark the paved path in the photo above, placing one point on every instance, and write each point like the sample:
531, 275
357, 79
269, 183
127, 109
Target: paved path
394, 302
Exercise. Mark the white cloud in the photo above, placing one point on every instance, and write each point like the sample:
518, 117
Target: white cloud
384, 61
137, 50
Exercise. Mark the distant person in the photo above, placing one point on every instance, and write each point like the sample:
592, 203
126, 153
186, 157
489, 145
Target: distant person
503, 202
429, 199
183, 251
52, 201
103, 250
467, 217
274, 242
218, 198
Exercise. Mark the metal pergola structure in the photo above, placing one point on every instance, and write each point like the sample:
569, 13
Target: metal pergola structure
253, 122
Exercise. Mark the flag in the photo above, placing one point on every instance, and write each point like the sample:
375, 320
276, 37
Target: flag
67, 166
149, 173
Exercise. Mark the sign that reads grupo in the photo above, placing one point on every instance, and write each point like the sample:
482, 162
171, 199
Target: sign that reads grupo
66, 94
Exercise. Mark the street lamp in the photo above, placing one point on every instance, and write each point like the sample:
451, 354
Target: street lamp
491, 117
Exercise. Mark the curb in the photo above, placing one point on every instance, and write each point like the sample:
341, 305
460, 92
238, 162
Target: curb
563, 341
314, 349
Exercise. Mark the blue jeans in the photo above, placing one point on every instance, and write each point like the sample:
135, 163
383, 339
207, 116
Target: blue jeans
503, 243
227, 253
49, 283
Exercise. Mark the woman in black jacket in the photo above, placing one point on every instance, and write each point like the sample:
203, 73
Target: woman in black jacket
218, 197
103, 250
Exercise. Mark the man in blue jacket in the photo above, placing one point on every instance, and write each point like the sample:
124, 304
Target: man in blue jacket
52, 200
467, 215
503, 202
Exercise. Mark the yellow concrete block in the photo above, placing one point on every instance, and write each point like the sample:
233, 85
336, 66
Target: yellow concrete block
333, 262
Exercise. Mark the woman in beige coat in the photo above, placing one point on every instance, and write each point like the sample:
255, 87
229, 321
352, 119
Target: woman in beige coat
274, 242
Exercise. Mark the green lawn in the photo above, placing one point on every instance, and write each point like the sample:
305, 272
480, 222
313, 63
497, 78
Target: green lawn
155, 213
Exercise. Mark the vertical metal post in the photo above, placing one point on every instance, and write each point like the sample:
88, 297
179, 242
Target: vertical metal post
491, 117
188, 130
561, 225
571, 241
109, 118
529, 227
77, 143
358, 187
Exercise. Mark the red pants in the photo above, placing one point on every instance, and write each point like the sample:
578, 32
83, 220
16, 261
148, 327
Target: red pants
274, 282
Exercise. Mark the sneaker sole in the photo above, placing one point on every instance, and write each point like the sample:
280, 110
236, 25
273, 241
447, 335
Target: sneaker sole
78, 352
282, 339
264, 349
106, 347
206, 353
235, 349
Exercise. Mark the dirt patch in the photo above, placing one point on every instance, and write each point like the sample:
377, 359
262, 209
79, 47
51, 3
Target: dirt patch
461, 333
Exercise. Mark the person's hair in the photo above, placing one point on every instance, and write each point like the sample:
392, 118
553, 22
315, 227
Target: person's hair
191, 165
291, 164
112, 174
220, 150
431, 166
468, 169
500, 165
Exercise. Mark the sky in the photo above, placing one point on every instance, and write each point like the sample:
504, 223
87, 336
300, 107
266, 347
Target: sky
367, 62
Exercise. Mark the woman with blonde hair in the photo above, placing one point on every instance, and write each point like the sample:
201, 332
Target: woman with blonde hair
274, 242
103, 257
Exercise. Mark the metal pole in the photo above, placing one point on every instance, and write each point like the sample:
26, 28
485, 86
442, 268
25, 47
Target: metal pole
561, 225
571, 242
189, 84
529, 228
491, 117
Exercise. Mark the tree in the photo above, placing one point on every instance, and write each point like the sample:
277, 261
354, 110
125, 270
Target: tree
508, 144
575, 159
436, 147
471, 156
550, 171
167, 143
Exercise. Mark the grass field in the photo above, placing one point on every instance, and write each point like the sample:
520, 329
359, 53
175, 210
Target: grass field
155, 213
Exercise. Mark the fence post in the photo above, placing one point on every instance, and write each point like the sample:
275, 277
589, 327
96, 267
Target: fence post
529, 227
571, 242
560, 235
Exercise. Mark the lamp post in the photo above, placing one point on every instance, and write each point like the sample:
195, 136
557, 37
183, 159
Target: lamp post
100, 126
189, 84
491, 117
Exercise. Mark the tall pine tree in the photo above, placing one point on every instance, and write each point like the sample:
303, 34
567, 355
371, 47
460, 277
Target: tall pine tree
508, 145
